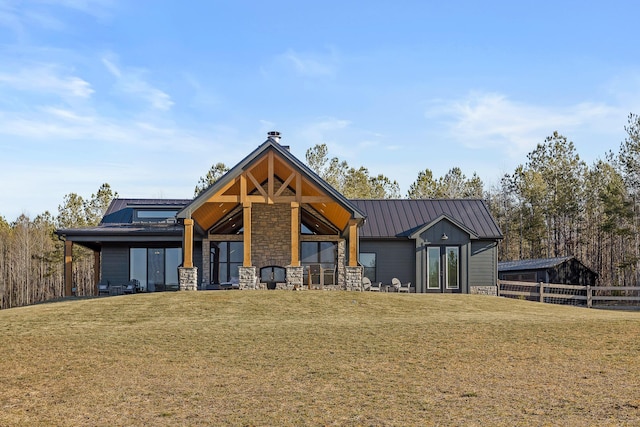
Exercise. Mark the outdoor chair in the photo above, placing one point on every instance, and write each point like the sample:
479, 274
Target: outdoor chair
374, 288
404, 288
366, 284
131, 287
103, 287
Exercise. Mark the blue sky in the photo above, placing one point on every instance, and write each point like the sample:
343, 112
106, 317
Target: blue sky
146, 95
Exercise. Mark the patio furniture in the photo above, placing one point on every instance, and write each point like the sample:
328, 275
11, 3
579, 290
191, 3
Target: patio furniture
366, 284
132, 287
400, 287
374, 288
103, 287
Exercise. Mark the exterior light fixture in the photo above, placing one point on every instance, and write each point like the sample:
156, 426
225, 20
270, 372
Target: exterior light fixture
444, 236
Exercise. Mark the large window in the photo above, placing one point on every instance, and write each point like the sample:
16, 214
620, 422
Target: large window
319, 258
155, 268
368, 261
225, 259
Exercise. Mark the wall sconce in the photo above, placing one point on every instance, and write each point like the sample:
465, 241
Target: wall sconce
444, 236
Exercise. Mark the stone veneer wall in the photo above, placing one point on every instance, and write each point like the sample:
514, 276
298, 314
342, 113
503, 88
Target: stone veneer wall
483, 290
188, 278
354, 278
206, 266
248, 276
270, 234
295, 276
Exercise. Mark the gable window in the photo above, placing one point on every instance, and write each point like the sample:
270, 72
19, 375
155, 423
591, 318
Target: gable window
225, 259
155, 268
368, 261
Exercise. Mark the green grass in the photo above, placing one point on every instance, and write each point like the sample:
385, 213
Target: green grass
317, 358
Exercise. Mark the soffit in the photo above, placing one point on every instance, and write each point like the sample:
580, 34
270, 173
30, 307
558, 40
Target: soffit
263, 179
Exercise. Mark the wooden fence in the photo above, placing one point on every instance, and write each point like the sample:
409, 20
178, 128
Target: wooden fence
586, 296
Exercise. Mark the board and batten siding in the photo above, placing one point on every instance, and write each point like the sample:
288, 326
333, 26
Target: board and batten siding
483, 263
394, 258
115, 264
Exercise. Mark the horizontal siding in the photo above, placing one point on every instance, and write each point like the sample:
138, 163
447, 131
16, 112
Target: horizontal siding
483, 264
393, 259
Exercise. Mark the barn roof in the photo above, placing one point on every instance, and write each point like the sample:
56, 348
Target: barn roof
389, 218
532, 264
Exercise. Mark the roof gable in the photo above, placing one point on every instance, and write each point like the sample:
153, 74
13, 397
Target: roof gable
254, 179
444, 217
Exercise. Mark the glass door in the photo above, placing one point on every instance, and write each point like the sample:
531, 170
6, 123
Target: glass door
443, 269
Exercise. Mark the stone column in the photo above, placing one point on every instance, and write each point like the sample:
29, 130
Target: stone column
248, 276
354, 278
188, 278
342, 262
295, 276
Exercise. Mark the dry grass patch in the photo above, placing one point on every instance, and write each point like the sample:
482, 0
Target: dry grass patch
317, 358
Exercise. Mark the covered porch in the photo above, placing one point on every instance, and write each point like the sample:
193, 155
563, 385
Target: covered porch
272, 211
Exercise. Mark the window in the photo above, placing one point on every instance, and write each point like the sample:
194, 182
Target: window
155, 268
453, 280
322, 254
154, 215
225, 258
368, 261
433, 267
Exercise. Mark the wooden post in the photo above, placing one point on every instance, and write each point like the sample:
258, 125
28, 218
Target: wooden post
353, 243
246, 219
589, 297
541, 286
295, 234
187, 243
68, 268
96, 270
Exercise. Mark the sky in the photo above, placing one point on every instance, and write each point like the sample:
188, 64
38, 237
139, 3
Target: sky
146, 95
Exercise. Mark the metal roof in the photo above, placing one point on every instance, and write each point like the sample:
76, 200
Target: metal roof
387, 218
532, 264
120, 211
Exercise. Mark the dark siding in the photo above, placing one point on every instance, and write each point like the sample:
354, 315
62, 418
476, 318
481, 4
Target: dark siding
115, 264
394, 258
482, 265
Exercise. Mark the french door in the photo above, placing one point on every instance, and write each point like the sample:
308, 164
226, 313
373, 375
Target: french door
443, 268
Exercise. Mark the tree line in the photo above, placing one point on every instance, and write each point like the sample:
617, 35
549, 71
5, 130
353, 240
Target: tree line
31, 255
552, 205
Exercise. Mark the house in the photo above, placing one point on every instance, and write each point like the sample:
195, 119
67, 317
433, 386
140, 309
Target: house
561, 270
272, 223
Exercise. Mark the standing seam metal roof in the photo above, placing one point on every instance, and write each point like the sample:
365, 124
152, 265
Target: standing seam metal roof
388, 218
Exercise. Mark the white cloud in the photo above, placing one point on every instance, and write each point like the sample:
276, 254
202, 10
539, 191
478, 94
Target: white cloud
47, 78
131, 82
492, 120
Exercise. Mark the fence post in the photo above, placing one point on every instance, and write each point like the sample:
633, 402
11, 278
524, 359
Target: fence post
541, 292
589, 297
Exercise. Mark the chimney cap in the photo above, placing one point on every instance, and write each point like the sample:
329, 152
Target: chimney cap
274, 135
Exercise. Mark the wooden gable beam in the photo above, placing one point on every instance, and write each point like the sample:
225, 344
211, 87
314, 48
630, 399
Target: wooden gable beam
257, 184
270, 177
285, 184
